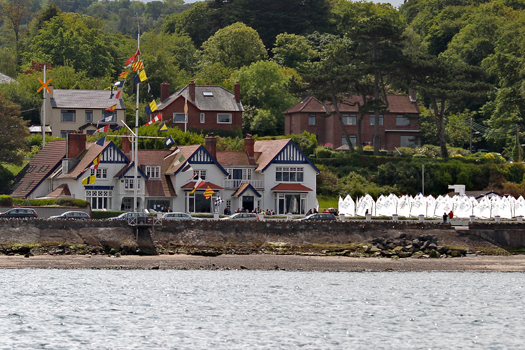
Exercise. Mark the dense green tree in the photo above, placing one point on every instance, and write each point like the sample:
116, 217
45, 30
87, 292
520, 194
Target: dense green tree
377, 30
291, 50
264, 85
234, 46
13, 130
76, 41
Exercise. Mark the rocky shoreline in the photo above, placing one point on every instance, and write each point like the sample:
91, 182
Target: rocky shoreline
513, 263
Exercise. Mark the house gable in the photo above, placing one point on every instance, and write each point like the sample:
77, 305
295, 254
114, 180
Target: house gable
291, 154
202, 156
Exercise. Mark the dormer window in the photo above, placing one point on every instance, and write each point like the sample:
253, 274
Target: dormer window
153, 171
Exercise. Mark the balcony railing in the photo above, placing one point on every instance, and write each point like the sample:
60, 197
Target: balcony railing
237, 183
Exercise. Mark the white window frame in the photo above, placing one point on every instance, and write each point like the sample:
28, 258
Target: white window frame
99, 199
153, 171
203, 118
113, 115
286, 174
175, 115
63, 133
353, 139
224, 114
199, 173
129, 181
102, 173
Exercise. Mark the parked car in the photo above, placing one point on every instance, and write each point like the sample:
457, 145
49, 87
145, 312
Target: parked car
178, 216
129, 216
20, 213
319, 217
71, 215
242, 216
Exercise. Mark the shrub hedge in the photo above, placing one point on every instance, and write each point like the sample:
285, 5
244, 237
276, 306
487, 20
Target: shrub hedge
102, 214
6, 201
61, 202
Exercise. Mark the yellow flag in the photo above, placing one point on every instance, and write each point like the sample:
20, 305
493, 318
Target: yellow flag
153, 106
89, 180
208, 193
142, 75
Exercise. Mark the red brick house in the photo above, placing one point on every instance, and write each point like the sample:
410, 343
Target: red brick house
209, 107
398, 126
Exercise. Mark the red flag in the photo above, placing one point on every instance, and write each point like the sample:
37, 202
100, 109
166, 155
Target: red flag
103, 129
118, 94
112, 108
132, 58
123, 75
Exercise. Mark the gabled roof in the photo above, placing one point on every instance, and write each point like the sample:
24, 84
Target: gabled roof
396, 104
88, 155
308, 105
60, 191
179, 160
84, 99
193, 154
283, 151
291, 188
207, 98
245, 187
124, 172
39, 168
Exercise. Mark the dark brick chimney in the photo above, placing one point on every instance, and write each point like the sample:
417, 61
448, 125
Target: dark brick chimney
76, 143
249, 146
211, 145
164, 91
237, 92
192, 91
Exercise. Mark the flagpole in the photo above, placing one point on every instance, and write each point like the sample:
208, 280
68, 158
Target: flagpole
135, 180
44, 114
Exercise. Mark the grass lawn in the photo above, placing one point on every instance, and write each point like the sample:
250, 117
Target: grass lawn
327, 202
13, 168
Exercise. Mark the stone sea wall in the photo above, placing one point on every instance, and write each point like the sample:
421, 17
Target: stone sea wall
212, 237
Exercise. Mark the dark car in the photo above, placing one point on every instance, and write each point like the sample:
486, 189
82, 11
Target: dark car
319, 217
20, 213
71, 215
132, 217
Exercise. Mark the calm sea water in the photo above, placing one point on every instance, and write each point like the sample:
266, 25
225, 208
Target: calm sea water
64, 309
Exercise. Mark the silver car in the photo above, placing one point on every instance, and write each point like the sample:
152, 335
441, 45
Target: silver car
242, 216
178, 216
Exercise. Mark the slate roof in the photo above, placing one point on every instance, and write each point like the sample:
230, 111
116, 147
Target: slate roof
84, 99
266, 151
396, 104
291, 188
39, 168
6, 78
221, 99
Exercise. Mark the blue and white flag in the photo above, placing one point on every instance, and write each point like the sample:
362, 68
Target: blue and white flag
119, 84
218, 201
168, 141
